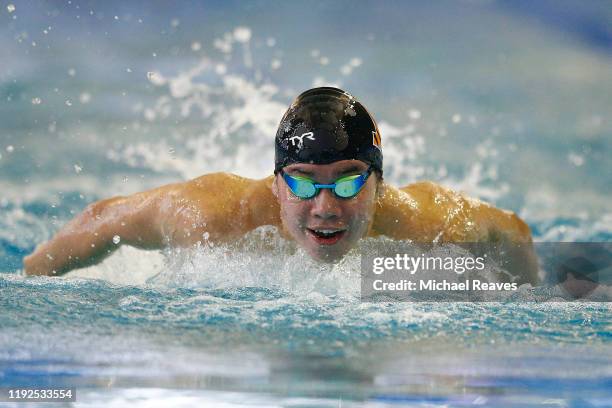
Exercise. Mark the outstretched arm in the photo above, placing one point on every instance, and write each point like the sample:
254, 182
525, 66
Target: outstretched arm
216, 207
91, 236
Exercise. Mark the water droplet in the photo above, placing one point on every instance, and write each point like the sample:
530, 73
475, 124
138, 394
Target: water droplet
36, 101
456, 118
196, 46
77, 169
128, 69
10, 149
414, 114
116, 17
10, 8
116, 239
242, 34
220, 69
576, 159
149, 114
275, 64
155, 77
84, 98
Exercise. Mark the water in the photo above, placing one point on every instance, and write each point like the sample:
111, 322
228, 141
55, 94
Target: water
508, 101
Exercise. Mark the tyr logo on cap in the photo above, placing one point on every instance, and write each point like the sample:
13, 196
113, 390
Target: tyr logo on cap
299, 140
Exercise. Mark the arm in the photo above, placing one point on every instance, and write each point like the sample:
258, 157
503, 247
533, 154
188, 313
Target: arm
427, 212
216, 207
88, 238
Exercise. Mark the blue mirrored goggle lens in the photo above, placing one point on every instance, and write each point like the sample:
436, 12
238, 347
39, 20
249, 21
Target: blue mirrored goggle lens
302, 188
346, 187
350, 186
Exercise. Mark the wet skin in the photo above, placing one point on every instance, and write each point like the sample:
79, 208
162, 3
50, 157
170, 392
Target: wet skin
327, 226
222, 207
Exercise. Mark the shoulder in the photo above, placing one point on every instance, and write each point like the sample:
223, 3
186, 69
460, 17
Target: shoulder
417, 212
217, 205
427, 211
208, 206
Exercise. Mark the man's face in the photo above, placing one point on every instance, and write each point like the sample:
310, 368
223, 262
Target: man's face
327, 226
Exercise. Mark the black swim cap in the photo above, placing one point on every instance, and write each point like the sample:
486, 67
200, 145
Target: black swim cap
325, 125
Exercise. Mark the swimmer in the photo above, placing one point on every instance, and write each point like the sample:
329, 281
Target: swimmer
327, 193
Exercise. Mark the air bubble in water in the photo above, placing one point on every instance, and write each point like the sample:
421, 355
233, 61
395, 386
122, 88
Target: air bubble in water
72, 72
10, 8
36, 101
456, 118
68, 102
116, 239
196, 46
10, 148
77, 169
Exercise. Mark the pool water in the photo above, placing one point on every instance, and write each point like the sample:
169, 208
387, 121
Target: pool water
507, 101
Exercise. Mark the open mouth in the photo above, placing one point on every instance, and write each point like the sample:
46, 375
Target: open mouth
326, 236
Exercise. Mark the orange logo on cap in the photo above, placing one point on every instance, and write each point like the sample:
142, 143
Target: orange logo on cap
376, 139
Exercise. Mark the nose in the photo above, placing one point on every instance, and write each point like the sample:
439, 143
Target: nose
325, 205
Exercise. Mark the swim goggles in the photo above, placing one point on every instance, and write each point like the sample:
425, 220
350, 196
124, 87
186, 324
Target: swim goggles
345, 187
